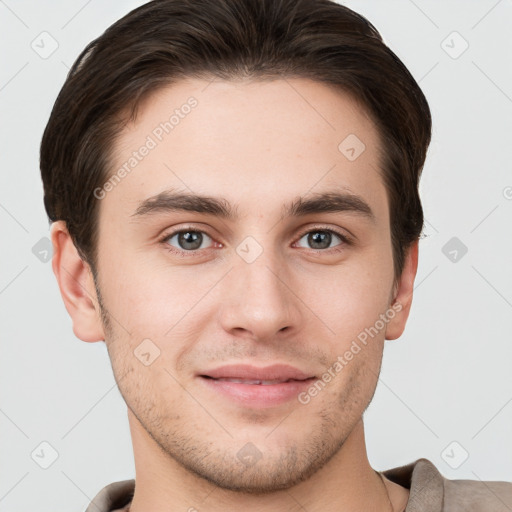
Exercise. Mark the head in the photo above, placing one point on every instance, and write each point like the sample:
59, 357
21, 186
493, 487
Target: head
237, 182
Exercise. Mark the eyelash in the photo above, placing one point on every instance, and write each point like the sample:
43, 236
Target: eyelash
344, 239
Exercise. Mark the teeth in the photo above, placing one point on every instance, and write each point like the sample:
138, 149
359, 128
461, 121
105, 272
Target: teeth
260, 382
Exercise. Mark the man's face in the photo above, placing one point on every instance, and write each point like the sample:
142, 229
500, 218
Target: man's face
255, 289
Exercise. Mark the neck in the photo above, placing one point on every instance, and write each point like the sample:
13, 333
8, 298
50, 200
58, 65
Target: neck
345, 483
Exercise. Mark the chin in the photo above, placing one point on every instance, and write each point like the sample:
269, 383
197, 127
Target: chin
260, 478
251, 471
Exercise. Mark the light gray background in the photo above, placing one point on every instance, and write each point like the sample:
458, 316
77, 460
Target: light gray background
448, 378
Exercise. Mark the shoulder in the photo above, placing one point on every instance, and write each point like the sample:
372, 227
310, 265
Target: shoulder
429, 487
113, 497
477, 495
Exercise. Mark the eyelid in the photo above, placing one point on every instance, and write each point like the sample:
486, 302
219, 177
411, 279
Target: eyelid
347, 239
176, 231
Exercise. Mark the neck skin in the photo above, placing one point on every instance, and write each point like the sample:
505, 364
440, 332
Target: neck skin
346, 483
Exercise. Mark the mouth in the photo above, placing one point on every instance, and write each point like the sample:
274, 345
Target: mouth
256, 387
255, 382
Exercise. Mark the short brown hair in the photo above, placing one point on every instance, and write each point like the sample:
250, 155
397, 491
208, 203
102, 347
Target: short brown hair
165, 40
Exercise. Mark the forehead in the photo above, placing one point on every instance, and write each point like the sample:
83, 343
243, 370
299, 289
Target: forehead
248, 142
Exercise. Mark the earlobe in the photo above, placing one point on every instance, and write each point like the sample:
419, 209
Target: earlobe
404, 294
76, 285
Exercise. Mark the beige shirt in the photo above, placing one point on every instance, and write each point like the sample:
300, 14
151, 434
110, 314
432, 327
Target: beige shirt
429, 491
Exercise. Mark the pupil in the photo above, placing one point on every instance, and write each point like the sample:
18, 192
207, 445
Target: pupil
319, 238
190, 237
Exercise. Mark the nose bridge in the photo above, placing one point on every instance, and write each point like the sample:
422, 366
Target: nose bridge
258, 299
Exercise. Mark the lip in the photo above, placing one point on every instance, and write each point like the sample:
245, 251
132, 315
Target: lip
267, 386
282, 372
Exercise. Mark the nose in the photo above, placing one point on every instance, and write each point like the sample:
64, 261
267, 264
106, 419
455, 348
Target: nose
261, 300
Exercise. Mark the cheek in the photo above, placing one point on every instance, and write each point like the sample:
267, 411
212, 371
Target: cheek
350, 299
143, 296
151, 300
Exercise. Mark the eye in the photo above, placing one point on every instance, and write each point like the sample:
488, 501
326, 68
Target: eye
190, 240
187, 240
321, 239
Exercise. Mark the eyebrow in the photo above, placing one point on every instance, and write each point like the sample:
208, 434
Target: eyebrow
324, 202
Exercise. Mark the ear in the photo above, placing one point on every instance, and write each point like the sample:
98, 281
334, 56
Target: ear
403, 294
76, 285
